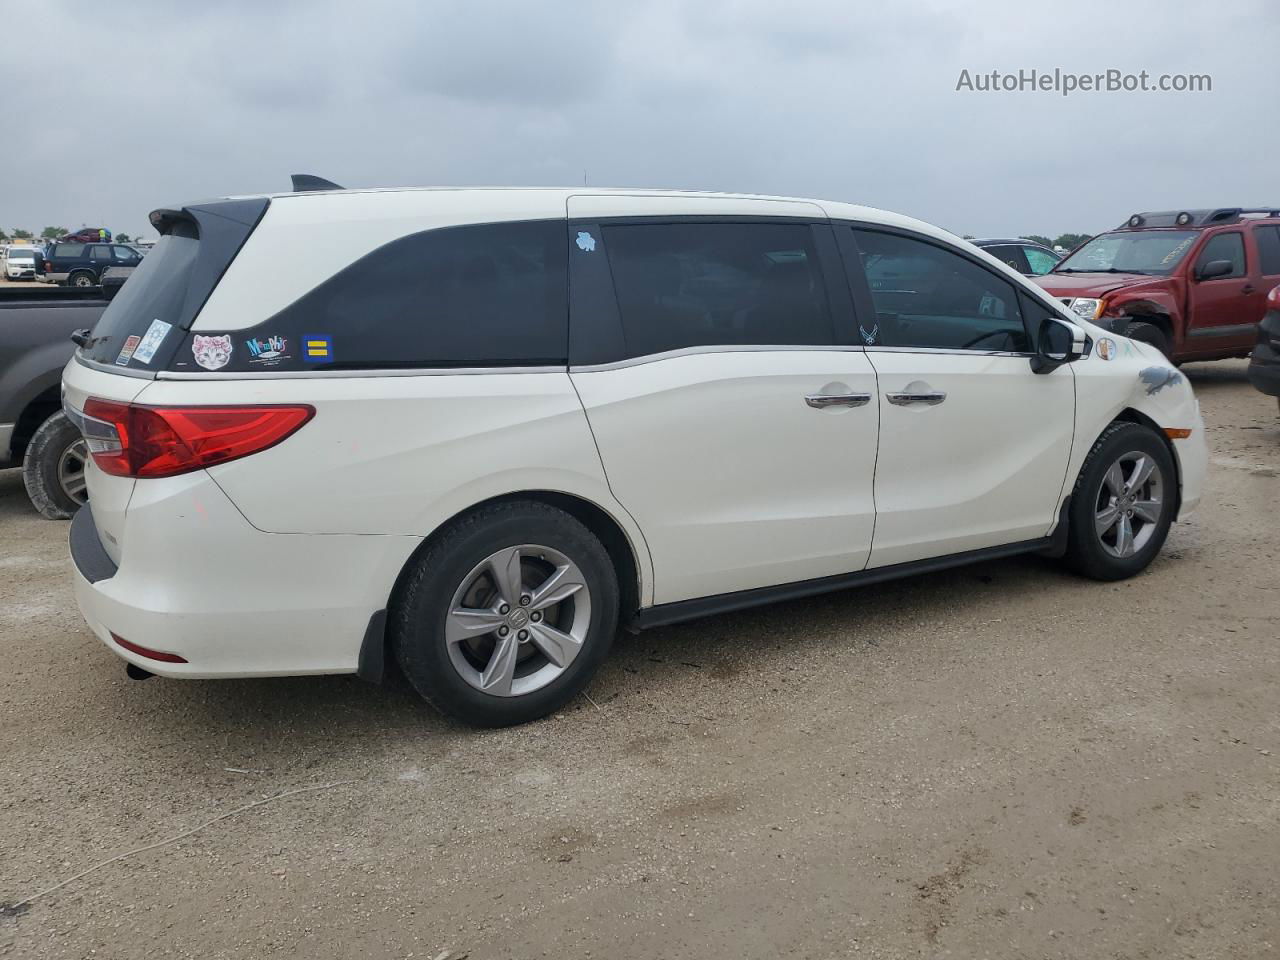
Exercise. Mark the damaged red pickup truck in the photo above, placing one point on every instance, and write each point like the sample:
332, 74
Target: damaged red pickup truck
1192, 283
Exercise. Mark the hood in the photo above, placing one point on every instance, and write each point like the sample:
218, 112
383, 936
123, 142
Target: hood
1092, 284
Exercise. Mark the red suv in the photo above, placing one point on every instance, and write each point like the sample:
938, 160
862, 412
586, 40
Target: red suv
1193, 283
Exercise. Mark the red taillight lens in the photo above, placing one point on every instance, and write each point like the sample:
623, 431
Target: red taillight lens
166, 441
1273, 299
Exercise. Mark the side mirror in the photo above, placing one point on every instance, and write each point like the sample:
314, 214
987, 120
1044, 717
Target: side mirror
1214, 269
1057, 342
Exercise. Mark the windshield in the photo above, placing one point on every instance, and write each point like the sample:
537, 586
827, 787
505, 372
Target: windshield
1154, 252
22, 254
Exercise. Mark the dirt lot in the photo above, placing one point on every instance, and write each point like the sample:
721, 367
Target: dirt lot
1000, 761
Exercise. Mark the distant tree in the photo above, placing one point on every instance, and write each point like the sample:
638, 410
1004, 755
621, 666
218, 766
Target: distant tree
124, 238
1070, 240
52, 233
4, 237
21, 234
967, 236
1036, 238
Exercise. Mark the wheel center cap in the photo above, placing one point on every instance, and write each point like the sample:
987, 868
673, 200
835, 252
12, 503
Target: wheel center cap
518, 617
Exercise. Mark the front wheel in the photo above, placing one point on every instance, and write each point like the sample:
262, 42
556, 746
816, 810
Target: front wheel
1149, 333
506, 615
1123, 503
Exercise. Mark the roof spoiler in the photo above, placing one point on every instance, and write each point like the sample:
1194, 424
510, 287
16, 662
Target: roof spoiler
303, 182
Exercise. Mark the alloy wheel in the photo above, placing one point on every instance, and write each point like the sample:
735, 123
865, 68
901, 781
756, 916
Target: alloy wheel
1129, 504
71, 467
518, 620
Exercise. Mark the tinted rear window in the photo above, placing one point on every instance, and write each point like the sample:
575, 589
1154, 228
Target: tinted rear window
714, 284
1268, 240
67, 250
469, 296
155, 292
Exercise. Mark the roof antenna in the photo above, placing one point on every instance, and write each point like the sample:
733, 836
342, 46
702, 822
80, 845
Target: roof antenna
584, 178
305, 181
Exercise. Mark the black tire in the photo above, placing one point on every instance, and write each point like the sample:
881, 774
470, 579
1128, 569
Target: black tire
1145, 332
1087, 553
419, 610
42, 465
82, 278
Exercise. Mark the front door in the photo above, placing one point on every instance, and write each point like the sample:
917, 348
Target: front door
973, 444
1224, 310
735, 417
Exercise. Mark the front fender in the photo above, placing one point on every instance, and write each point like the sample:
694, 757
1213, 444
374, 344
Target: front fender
1139, 379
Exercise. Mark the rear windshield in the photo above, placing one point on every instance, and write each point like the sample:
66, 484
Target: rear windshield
143, 325
154, 294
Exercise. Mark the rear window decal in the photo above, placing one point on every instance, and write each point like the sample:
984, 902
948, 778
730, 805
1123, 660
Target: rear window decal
151, 341
317, 348
267, 351
126, 352
212, 353
586, 242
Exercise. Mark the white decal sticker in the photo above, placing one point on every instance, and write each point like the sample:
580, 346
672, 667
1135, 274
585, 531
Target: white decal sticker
586, 241
1106, 348
212, 353
151, 341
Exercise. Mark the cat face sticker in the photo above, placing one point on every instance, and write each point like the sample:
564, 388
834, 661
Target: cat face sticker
212, 353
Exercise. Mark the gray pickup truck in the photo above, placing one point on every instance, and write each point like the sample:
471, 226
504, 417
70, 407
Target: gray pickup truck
35, 344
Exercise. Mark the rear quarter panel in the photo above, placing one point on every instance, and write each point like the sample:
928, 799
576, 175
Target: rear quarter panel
404, 454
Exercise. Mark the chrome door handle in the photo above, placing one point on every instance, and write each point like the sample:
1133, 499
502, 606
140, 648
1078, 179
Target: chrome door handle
932, 398
820, 401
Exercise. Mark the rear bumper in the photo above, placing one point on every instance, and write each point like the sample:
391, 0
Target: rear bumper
1264, 369
196, 580
52, 277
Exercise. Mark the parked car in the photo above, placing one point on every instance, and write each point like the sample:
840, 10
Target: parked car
82, 264
1029, 258
20, 262
1264, 362
87, 235
35, 344
113, 279
482, 428
1191, 283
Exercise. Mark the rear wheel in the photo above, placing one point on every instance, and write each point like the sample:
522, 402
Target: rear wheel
1145, 332
1123, 503
54, 466
506, 615
82, 279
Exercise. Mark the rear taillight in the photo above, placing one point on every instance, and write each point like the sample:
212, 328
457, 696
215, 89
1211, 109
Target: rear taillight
128, 440
1273, 299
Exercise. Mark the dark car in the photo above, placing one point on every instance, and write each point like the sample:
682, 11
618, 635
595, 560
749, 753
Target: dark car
82, 264
1192, 283
35, 344
1029, 258
1264, 362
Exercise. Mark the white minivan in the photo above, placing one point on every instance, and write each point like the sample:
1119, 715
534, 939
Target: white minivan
473, 432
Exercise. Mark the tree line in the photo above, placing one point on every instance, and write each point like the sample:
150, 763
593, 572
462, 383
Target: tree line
49, 233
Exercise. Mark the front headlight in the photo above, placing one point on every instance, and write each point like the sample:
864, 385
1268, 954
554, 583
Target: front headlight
1086, 307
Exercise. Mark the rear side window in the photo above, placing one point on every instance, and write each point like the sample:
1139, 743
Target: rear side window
928, 296
99, 252
491, 294
67, 250
712, 284
1224, 246
1268, 240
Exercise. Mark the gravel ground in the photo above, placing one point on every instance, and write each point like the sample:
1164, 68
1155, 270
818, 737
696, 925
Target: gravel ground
999, 761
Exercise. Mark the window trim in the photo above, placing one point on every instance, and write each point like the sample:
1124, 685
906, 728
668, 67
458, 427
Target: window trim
606, 336
864, 304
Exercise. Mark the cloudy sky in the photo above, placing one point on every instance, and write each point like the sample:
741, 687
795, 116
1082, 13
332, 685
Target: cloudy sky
149, 104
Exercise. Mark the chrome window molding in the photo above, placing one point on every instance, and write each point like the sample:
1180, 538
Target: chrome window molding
713, 348
365, 373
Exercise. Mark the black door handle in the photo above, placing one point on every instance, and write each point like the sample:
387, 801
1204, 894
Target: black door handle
1247, 288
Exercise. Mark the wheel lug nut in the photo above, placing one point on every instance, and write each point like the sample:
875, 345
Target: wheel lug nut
535, 616
523, 635
503, 631
524, 601
504, 608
